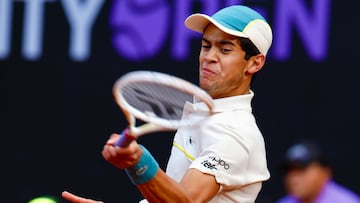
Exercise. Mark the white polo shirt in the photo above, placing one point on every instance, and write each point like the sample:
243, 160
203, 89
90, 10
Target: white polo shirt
227, 145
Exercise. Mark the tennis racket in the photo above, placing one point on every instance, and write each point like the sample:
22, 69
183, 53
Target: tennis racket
157, 100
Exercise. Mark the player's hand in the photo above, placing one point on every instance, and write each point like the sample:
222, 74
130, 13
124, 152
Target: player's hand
121, 157
76, 199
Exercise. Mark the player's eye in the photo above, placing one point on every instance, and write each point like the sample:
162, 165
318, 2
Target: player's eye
225, 50
205, 46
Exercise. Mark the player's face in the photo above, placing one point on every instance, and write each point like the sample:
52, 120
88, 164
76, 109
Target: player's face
307, 183
222, 64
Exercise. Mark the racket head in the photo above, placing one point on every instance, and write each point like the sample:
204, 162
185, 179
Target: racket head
157, 98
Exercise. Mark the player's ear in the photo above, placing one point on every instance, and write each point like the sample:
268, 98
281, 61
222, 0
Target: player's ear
256, 63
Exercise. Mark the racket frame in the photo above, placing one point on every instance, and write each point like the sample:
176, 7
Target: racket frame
154, 123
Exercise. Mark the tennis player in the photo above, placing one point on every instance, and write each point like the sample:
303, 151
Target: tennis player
224, 159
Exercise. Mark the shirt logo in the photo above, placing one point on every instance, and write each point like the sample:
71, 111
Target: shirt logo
212, 162
209, 165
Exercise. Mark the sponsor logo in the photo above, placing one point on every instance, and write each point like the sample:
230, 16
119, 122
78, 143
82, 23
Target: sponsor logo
213, 162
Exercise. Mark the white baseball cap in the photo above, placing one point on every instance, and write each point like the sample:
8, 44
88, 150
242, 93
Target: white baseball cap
236, 20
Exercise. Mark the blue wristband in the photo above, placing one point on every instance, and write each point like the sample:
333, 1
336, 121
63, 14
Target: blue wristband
144, 170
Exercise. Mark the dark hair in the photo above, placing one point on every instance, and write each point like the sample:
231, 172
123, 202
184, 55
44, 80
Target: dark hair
250, 50
248, 47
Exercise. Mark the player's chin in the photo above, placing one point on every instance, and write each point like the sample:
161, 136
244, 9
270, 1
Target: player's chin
206, 79
207, 86
204, 84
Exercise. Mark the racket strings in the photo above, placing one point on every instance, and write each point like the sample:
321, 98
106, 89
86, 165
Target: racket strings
157, 100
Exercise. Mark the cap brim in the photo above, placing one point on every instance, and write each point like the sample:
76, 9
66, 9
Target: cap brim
198, 23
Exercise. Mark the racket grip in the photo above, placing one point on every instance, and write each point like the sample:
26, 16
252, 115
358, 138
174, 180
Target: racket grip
125, 139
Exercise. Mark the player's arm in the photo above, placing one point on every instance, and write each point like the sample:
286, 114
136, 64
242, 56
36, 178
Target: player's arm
194, 187
152, 182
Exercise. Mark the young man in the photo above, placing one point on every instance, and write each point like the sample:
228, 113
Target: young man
223, 160
308, 177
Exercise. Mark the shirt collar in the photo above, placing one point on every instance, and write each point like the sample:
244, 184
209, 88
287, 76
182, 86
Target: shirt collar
230, 103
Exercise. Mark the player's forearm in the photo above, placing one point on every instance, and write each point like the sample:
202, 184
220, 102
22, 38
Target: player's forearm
162, 188
153, 183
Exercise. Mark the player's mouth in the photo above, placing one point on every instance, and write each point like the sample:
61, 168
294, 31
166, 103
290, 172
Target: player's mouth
208, 71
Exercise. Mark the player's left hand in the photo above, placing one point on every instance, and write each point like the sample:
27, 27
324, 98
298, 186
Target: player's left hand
76, 199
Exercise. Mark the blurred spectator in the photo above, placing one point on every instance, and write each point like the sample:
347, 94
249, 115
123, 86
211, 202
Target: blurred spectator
308, 177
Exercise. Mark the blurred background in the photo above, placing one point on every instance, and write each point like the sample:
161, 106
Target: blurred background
60, 58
